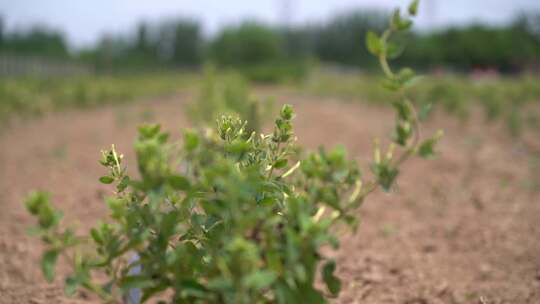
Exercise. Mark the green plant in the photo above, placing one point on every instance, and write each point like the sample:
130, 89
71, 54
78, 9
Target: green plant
228, 94
227, 215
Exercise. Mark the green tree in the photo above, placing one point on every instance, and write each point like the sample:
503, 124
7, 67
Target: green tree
246, 44
37, 41
187, 45
337, 41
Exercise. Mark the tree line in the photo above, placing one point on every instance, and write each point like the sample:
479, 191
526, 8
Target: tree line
251, 45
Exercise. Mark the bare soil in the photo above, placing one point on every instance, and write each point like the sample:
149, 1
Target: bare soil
463, 228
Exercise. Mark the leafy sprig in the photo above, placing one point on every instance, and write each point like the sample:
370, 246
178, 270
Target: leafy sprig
407, 128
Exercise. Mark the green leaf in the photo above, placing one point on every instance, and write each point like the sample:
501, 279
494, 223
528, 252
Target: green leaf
219, 283
70, 286
405, 24
399, 23
35, 201
123, 184
280, 163
193, 288
427, 148
260, 279
191, 140
285, 294
386, 175
391, 84
179, 182
48, 217
406, 75
287, 112
424, 111
94, 233
162, 138
147, 131
149, 292
403, 133
168, 224
117, 206
373, 43
331, 281
413, 8
135, 281
403, 111
336, 156
396, 19
106, 179
48, 263
238, 146
393, 50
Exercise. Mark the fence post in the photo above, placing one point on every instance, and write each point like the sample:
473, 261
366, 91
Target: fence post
133, 295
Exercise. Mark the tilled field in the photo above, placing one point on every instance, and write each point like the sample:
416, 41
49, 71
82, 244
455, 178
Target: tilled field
463, 228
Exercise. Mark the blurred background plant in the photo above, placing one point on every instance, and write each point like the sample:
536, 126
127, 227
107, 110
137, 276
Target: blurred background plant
227, 93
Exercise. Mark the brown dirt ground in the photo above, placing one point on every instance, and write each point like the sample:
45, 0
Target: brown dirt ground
463, 228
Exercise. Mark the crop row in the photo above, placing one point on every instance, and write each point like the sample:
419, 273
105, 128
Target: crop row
34, 96
513, 100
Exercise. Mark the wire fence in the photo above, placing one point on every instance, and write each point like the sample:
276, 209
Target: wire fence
13, 65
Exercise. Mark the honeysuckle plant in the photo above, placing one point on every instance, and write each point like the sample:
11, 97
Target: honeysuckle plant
226, 215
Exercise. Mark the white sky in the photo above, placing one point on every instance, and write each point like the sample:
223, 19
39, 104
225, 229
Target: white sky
83, 21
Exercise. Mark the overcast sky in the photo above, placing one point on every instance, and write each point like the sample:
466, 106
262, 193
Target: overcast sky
83, 21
